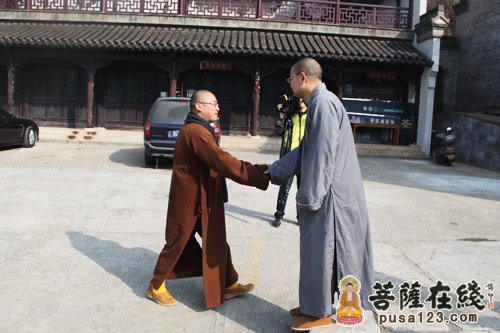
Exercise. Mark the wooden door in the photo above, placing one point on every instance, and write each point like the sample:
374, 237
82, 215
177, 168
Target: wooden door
127, 91
233, 91
56, 93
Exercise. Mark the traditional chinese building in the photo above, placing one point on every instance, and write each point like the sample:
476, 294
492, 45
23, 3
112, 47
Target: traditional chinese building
102, 63
467, 94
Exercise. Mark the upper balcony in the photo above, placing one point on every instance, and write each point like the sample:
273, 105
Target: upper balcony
324, 12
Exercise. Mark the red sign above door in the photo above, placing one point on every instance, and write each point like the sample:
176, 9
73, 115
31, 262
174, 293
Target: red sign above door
381, 75
215, 65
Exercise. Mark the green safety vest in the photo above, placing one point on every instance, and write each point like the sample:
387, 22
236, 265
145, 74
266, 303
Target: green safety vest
298, 129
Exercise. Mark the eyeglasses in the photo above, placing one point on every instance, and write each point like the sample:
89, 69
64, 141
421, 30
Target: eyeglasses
214, 104
289, 80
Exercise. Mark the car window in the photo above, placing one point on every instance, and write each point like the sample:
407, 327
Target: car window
163, 111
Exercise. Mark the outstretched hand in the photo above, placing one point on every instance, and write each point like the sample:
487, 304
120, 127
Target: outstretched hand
264, 169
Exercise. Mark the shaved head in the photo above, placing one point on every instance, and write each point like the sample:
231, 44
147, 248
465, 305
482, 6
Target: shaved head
309, 66
201, 96
305, 75
204, 104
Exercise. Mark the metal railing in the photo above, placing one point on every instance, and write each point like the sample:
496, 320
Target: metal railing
319, 11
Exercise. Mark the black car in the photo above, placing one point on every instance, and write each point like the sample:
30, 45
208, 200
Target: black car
161, 128
16, 131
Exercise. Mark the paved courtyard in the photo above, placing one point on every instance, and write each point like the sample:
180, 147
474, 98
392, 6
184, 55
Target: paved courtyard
82, 225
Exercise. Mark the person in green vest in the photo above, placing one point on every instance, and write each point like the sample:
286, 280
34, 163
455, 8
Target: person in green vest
293, 133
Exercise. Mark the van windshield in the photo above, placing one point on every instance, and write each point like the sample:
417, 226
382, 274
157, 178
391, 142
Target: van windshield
169, 110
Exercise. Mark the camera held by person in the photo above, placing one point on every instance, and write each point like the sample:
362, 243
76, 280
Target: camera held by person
289, 105
292, 113
286, 107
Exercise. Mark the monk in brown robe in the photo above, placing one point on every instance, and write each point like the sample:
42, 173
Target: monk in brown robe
196, 205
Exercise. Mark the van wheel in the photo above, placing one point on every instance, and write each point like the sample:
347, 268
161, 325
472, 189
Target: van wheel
149, 160
29, 139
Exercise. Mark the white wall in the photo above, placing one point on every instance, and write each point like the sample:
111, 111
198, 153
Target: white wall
419, 8
431, 48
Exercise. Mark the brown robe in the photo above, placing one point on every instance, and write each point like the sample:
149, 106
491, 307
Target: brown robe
197, 194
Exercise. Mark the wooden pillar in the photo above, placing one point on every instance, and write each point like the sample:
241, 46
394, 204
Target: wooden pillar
173, 86
410, 16
90, 95
340, 82
254, 128
94, 113
11, 80
182, 7
13, 62
173, 79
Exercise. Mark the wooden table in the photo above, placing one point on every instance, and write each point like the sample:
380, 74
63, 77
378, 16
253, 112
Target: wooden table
394, 140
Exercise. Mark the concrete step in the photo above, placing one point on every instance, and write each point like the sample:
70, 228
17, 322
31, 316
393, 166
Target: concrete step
366, 149
262, 144
273, 144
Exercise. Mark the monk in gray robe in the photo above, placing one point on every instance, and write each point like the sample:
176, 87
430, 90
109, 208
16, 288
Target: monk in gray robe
334, 229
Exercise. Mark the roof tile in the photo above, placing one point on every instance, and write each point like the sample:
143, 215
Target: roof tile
219, 41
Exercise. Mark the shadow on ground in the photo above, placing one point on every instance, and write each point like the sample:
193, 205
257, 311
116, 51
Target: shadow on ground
134, 157
231, 210
134, 266
459, 179
11, 147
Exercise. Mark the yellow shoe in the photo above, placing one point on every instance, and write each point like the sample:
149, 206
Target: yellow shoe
161, 297
237, 289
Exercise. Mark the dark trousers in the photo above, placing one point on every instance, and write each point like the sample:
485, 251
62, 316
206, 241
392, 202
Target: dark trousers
283, 196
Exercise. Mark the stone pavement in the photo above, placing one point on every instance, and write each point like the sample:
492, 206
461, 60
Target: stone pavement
82, 225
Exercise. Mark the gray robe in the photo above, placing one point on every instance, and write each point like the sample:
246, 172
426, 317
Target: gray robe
331, 204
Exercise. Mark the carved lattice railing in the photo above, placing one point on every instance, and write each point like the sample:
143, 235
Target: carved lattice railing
320, 11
